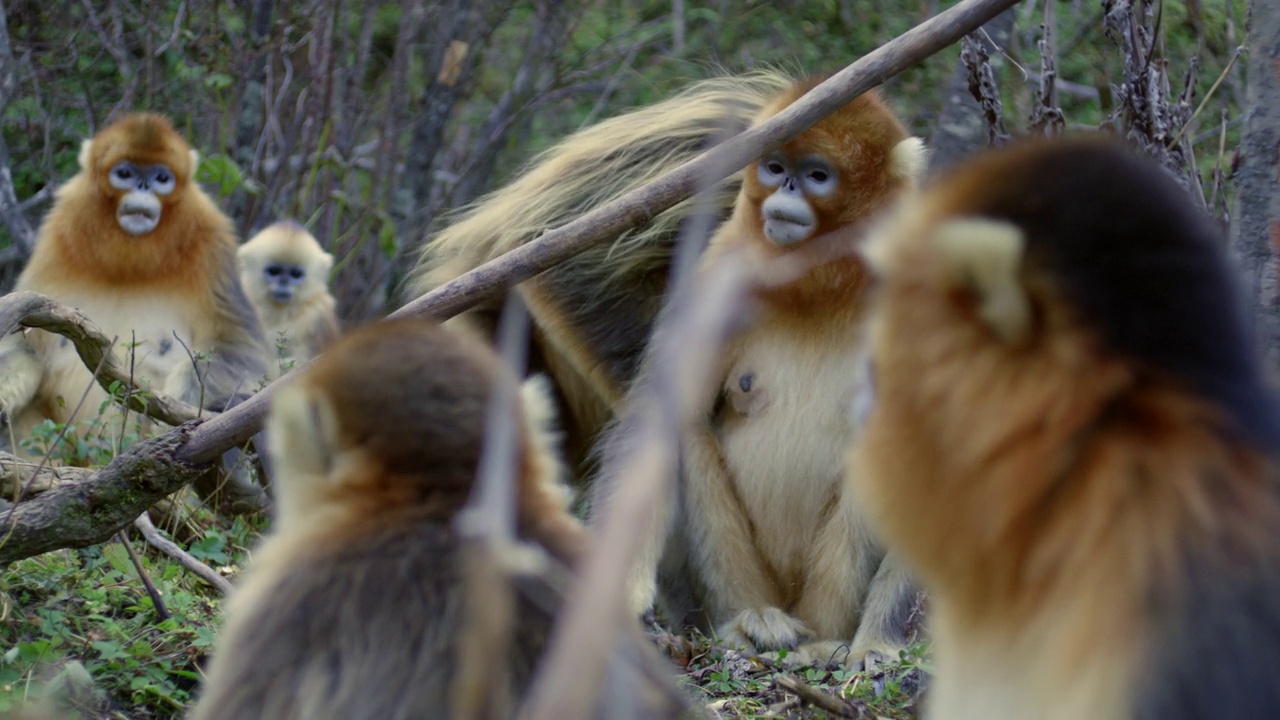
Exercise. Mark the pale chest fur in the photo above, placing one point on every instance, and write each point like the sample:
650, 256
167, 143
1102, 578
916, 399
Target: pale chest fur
786, 426
149, 330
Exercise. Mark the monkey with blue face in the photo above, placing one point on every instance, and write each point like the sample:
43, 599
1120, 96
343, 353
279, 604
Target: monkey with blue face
285, 272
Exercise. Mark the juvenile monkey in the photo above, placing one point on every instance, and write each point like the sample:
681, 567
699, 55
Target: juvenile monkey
135, 244
286, 274
778, 555
593, 313
352, 607
1072, 444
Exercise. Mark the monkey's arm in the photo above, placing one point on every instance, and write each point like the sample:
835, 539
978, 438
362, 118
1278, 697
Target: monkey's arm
232, 352
886, 614
723, 551
20, 374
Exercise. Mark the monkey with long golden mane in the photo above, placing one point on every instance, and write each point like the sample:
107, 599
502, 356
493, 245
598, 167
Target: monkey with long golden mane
135, 244
764, 544
1072, 444
353, 606
593, 313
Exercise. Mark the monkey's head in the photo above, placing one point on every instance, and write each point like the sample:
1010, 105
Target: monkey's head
1054, 271
391, 417
839, 171
140, 167
284, 264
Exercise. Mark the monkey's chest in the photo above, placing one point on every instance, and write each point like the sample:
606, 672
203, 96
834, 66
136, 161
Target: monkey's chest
149, 337
785, 425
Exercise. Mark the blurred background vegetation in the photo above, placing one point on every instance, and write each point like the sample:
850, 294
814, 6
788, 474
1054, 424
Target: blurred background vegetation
367, 120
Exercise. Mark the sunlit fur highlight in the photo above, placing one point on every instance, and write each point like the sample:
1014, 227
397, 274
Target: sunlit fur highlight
179, 279
778, 554
1094, 514
303, 326
593, 313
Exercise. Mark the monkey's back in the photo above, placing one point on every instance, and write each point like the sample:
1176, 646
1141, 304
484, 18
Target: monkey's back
358, 629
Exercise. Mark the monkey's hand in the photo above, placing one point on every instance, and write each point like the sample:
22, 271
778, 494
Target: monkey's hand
764, 628
20, 373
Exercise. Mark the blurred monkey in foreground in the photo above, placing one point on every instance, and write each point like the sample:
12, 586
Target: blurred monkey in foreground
286, 274
776, 553
352, 607
1071, 443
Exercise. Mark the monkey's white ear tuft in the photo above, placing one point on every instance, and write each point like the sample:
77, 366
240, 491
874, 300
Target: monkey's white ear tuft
195, 163
891, 231
86, 154
908, 159
984, 256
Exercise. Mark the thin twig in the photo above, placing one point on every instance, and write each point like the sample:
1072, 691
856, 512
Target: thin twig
816, 697
158, 541
156, 601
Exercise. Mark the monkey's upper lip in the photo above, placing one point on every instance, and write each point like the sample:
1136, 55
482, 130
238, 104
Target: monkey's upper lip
138, 212
786, 217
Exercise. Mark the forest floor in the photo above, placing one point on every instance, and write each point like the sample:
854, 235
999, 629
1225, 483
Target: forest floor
80, 624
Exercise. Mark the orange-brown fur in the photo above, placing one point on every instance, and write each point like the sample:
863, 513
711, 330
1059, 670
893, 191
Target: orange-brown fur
353, 606
1045, 487
177, 279
778, 553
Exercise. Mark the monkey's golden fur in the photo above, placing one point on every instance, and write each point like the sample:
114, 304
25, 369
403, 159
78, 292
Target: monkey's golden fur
352, 607
593, 313
176, 280
304, 324
777, 554
1072, 445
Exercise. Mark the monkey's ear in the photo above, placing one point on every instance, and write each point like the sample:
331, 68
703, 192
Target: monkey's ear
326, 263
195, 163
984, 257
302, 431
85, 158
908, 159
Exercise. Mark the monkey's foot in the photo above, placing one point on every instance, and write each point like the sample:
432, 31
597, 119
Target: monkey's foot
767, 628
819, 654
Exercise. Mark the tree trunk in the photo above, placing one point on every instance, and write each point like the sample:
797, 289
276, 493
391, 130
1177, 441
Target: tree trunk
1255, 234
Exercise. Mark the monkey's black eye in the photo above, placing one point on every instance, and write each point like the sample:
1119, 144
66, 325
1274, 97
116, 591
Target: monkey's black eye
295, 273
274, 270
774, 168
162, 177
819, 176
124, 173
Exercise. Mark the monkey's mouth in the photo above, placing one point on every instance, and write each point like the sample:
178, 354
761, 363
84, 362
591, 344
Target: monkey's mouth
786, 229
138, 220
281, 295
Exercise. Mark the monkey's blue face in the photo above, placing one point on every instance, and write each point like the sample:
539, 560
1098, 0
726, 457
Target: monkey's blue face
138, 212
283, 280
